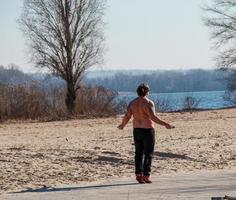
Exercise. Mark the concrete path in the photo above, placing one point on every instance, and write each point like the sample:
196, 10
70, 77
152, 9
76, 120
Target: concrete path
199, 186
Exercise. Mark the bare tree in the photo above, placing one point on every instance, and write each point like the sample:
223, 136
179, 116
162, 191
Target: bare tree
66, 37
221, 19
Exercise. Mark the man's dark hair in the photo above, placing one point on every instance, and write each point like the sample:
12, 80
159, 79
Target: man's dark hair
142, 90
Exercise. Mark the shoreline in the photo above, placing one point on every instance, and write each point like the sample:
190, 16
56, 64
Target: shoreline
15, 121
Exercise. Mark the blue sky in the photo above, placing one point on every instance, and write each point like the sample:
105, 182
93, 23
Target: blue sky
150, 34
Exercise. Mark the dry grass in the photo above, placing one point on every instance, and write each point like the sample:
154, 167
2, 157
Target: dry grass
31, 101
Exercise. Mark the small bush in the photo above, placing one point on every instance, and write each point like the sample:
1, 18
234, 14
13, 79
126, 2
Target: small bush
190, 103
163, 105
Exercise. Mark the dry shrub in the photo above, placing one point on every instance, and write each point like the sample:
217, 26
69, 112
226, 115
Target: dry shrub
96, 101
31, 101
163, 104
190, 103
121, 106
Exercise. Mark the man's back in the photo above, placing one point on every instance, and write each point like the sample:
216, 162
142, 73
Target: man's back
141, 109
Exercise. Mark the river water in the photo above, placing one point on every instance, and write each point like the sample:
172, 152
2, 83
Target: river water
177, 101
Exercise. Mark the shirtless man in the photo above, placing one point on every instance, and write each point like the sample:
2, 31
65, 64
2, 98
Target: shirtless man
143, 111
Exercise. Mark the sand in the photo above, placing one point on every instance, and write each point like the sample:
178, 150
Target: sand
34, 155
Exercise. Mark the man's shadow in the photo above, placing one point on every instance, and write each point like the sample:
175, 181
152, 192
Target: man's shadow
66, 189
164, 155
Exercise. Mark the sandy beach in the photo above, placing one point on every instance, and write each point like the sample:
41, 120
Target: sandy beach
34, 155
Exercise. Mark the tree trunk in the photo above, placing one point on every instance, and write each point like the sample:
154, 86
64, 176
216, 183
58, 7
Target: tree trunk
70, 98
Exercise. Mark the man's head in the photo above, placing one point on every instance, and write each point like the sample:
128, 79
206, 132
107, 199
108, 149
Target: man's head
143, 90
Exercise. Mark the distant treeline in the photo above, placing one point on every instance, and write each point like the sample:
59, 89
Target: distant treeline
12, 75
164, 81
160, 81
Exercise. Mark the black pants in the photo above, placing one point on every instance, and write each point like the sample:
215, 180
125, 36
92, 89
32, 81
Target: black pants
144, 140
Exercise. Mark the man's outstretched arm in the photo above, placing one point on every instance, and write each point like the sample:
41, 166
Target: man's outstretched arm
152, 115
125, 119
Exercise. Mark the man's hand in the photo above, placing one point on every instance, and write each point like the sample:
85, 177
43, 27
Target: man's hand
168, 126
121, 127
